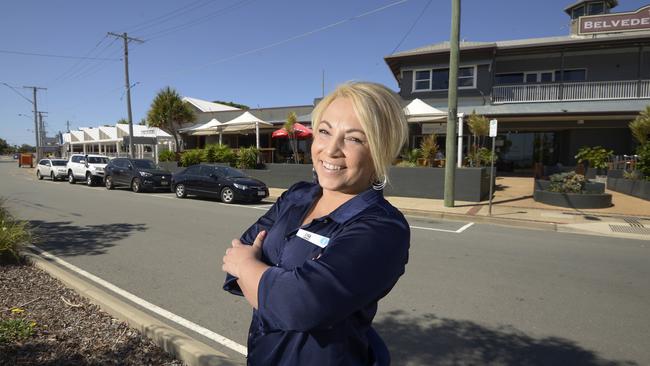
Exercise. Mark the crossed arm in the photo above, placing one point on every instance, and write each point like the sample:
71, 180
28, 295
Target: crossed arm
244, 262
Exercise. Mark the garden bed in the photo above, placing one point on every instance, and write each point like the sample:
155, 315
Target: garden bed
593, 197
633, 187
44, 323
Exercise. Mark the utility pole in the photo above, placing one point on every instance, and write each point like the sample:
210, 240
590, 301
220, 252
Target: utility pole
126, 39
36, 124
450, 145
67, 124
41, 129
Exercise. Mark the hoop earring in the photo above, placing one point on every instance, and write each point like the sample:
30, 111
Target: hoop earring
314, 176
378, 186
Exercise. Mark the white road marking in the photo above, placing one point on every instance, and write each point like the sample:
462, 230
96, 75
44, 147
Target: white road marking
444, 230
147, 305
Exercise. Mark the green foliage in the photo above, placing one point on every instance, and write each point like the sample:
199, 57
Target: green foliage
25, 148
633, 175
233, 104
191, 157
643, 162
4, 147
289, 127
13, 235
210, 153
569, 182
167, 155
122, 121
15, 329
247, 158
406, 164
640, 126
168, 112
143, 122
412, 156
429, 148
479, 157
597, 156
478, 125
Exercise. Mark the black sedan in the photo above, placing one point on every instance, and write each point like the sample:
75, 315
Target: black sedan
138, 174
228, 184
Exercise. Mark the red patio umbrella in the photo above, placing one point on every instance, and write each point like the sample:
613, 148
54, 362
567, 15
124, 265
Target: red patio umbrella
301, 132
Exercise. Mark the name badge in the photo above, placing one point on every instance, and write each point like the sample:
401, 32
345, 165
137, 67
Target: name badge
313, 238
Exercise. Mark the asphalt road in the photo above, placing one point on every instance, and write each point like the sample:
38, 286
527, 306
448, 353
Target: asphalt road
489, 295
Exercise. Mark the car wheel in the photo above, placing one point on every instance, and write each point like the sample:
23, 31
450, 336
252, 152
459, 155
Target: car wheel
136, 185
89, 179
227, 195
108, 181
38, 175
52, 177
180, 191
71, 177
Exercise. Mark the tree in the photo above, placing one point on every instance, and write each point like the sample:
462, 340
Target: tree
25, 148
143, 122
479, 127
429, 148
640, 126
4, 147
293, 142
168, 112
122, 121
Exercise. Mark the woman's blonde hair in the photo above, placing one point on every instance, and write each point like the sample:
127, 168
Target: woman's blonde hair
381, 117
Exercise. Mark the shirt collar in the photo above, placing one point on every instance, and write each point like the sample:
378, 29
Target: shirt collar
349, 209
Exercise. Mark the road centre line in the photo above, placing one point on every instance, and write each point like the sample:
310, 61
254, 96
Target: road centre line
147, 305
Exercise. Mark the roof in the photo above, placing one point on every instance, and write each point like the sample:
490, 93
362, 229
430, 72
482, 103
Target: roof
442, 48
205, 106
611, 3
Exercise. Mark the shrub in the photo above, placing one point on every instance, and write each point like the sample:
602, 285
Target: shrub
597, 156
406, 164
429, 148
210, 153
224, 154
643, 162
481, 156
412, 156
13, 235
633, 175
247, 158
191, 157
640, 127
569, 182
167, 155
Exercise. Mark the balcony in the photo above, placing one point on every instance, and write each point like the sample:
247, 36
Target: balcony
572, 91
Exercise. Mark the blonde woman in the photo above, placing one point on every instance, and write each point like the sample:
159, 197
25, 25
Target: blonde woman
315, 265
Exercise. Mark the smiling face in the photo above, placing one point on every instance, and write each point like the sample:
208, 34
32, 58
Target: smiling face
340, 150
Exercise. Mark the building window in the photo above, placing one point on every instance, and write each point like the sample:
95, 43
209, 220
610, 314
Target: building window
572, 75
438, 79
510, 78
596, 8
578, 12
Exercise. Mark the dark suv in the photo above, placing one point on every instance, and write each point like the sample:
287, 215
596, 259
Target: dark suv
228, 184
138, 174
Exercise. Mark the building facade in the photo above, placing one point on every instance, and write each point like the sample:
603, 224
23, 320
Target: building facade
552, 95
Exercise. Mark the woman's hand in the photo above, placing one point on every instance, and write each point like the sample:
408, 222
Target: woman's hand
240, 255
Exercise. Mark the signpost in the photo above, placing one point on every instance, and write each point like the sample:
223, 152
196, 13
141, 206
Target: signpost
493, 134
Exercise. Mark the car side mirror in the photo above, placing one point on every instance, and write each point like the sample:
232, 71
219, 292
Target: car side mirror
82, 161
130, 167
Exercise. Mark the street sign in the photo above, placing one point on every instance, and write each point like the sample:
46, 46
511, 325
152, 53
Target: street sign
493, 128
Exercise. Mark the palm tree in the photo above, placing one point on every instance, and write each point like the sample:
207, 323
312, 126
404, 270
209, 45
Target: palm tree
479, 127
293, 142
168, 112
640, 126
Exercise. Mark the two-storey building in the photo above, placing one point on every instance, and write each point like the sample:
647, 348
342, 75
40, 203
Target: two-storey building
551, 95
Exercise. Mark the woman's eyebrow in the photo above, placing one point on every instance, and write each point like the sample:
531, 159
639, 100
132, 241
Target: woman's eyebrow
346, 131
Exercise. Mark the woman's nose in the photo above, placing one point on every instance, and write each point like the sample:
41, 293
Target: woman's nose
333, 146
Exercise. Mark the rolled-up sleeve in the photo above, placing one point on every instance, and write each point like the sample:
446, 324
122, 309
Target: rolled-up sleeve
360, 265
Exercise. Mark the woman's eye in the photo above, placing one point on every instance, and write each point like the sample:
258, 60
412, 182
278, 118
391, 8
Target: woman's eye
323, 132
355, 140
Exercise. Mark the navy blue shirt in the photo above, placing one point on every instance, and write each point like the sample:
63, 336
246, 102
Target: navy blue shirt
318, 299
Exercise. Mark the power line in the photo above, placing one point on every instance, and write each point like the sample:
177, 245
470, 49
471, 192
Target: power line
74, 67
194, 22
169, 15
412, 26
317, 30
57, 56
75, 73
15, 90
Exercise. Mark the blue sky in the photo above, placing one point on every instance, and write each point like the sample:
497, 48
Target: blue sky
202, 48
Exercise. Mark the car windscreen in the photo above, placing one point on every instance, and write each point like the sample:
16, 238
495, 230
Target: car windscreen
59, 162
97, 160
144, 164
231, 173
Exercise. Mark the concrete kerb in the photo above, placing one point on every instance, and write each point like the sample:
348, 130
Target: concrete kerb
179, 344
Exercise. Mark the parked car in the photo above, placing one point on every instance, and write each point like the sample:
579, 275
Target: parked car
138, 174
87, 167
226, 183
52, 168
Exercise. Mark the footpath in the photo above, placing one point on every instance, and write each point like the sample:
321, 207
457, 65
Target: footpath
513, 205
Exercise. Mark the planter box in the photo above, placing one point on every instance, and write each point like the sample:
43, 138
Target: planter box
471, 184
573, 200
633, 187
590, 187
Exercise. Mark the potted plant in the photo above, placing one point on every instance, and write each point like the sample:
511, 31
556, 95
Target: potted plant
595, 157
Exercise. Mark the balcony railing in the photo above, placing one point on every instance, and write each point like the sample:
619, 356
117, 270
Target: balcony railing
594, 90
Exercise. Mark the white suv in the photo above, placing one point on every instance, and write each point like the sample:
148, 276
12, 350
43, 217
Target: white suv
87, 167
